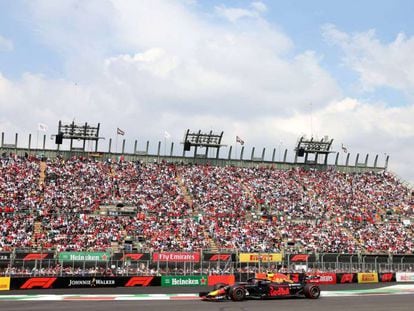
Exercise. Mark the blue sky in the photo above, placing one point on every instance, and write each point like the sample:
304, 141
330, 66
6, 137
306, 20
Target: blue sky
302, 20
233, 65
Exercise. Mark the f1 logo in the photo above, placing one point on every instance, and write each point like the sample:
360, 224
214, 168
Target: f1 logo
347, 278
222, 257
35, 256
132, 256
300, 257
38, 282
139, 281
386, 277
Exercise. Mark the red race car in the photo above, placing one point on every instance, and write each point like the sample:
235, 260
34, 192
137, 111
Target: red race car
261, 289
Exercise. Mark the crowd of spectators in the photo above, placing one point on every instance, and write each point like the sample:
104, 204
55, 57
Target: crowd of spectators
181, 207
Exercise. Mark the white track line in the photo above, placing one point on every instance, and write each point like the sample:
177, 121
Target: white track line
401, 289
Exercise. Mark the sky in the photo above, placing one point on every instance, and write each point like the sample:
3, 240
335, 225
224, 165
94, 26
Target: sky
266, 71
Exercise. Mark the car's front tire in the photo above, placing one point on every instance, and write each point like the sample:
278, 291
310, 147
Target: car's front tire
312, 291
238, 293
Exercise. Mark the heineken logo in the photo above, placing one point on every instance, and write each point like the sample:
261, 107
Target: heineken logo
184, 280
83, 256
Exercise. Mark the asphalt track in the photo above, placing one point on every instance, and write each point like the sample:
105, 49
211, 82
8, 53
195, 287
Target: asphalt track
388, 302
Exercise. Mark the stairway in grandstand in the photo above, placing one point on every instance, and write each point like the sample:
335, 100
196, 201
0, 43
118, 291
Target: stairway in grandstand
42, 175
212, 245
37, 228
37, 231
189, 200
352, 237
187, 197
249, 193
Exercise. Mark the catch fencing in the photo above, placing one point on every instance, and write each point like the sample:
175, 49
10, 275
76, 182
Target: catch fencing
61, 264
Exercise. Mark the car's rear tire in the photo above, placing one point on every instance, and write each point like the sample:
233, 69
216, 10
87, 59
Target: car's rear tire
238, 293
312, 291
219, 285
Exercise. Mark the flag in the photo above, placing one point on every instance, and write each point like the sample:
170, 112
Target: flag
167, 135
42, 127
120, 132
239, 140
344, 149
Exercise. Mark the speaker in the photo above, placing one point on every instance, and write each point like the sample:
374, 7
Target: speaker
301, 152
59, 139
187, 146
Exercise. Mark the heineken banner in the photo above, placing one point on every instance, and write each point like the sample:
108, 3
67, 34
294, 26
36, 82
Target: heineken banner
84, 256
184, 280
259, 257
176, 257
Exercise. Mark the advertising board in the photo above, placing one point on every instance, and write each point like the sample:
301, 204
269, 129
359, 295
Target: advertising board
258, 257
367, 277
176, 257
404, 276
4, 283
184, 280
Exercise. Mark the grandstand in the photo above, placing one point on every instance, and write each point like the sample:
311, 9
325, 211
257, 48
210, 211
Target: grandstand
78, 201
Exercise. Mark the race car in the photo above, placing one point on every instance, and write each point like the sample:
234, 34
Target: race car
256, 288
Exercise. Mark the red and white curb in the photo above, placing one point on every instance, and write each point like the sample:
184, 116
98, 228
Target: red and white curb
389, 290
98, 297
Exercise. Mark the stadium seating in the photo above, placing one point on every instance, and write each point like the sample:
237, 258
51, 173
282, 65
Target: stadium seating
59, 204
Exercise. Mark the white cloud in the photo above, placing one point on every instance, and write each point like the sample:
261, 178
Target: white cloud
154, 61
155, 66
234, 14
378, 64
6, 45
259, 6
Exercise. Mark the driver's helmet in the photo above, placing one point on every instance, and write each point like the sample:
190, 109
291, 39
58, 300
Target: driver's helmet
278, 277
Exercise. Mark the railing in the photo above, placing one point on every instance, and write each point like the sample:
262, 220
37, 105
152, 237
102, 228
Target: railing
175, 154
119, 268
124, 264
